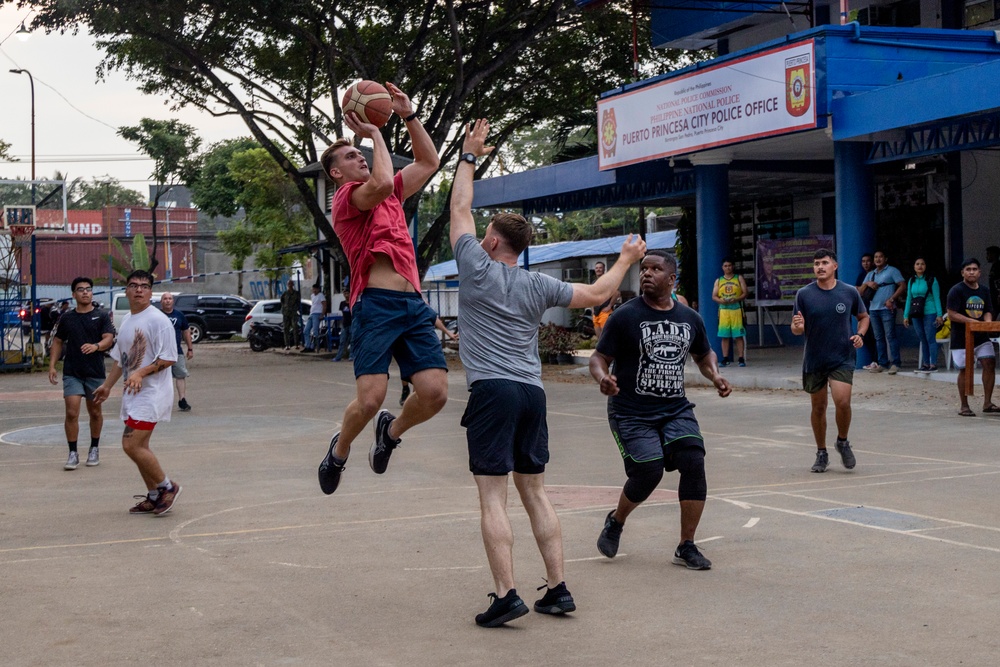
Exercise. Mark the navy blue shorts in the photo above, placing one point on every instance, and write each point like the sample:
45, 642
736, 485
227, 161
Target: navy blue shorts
643, 438
387, 324
506, 428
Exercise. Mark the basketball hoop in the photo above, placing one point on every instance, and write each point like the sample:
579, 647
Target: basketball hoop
21, 232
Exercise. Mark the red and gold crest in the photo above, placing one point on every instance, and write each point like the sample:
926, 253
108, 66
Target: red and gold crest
609, 132
798, 85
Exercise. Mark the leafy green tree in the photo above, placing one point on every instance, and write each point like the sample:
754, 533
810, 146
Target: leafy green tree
238, 242
274, 213
99, 193
124, 262
280, 66
172, 145
213, 189
5, 151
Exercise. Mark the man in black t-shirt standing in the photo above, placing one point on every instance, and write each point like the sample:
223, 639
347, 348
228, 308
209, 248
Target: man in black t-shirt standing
969, 301
639, 364
823, 312
86, 332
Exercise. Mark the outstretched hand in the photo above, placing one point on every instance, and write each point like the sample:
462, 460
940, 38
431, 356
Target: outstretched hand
633, 250
475, 138
401, 104
358, 126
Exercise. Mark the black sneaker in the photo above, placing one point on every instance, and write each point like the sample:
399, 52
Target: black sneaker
329, 471
502, 610
555, 601
822, 461
607, 543
404, 395
183, 405
846, 453
378, 455
687, 554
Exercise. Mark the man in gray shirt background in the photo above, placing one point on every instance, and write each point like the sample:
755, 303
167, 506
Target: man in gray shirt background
500, 308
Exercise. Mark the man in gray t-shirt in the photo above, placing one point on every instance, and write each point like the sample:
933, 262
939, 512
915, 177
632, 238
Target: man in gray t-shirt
500, 307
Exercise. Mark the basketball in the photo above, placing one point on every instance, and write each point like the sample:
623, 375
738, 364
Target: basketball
370, 100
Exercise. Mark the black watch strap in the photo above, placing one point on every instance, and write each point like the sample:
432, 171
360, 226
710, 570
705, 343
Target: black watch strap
469, 157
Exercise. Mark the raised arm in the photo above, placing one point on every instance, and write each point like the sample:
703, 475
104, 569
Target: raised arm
378, 187
605, 286
462, 188
425, 157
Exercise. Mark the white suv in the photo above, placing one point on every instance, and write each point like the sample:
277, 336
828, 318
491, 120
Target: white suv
269, 311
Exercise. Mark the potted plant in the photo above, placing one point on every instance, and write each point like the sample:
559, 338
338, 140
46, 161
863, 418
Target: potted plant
556, 344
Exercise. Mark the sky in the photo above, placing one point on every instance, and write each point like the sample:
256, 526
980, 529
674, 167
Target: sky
77, 117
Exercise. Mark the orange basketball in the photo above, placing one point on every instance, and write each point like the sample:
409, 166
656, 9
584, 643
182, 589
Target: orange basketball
370, 100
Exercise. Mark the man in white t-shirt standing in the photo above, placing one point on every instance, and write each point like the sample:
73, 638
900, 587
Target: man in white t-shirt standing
316, 314
145, 349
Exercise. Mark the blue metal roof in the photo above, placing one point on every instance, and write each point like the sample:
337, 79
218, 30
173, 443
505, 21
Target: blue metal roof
554, 252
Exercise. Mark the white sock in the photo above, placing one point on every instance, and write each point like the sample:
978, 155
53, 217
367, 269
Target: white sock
166, 485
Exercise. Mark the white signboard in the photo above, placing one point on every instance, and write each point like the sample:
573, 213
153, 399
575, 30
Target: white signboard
758, 96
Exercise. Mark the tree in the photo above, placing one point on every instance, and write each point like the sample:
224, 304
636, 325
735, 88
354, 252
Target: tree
274, 214
125, 262
108, 191
5, 151
171, 144
279, 65
213, 189
237, 242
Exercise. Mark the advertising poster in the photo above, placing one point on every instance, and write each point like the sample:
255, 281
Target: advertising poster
758, 96
784, 266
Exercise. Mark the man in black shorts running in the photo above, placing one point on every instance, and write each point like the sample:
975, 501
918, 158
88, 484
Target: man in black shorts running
639, 364
823, 312
501, 306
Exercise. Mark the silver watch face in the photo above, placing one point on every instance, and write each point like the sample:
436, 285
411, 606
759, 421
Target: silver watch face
469, 157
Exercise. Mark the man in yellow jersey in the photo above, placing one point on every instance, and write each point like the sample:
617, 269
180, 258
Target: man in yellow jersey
729, 292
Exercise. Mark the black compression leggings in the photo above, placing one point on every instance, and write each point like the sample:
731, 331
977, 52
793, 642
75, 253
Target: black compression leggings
689, 460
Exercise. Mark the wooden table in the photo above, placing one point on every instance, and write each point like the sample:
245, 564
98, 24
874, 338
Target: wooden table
970, 329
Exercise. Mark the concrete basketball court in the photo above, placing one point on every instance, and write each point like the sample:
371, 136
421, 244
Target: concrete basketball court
893, 563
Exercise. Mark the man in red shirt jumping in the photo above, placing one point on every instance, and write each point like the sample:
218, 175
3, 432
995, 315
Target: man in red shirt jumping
389, 317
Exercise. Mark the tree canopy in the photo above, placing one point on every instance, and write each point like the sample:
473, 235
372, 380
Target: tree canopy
279, 65
172, 145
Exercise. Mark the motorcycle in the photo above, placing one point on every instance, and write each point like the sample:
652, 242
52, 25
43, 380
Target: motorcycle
263, 336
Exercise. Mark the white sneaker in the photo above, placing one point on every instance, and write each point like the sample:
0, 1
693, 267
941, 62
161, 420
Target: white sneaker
72, 462
93, 457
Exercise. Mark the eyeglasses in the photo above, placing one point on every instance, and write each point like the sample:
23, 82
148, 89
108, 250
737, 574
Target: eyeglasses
138, 286
84, 289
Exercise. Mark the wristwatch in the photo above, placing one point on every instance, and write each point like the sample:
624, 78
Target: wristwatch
468, 157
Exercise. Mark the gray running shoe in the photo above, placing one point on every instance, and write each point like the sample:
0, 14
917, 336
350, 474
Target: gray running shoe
822, 461
72, 462
378, 455
607, 543
687, 554
93, 457
846, 454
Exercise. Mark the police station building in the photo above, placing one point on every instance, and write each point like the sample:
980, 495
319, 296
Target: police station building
881, 132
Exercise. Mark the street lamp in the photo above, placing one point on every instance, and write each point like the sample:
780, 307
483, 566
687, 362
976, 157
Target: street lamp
32, 80
23, 33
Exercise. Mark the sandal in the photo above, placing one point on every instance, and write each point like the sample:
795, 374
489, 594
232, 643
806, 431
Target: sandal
966, 412
991, 409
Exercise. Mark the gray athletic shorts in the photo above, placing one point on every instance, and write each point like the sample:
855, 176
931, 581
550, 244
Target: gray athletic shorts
74, 386
179, 370
643, 438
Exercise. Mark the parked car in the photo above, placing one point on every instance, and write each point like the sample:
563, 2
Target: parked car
120, 307
269, 311
213, 315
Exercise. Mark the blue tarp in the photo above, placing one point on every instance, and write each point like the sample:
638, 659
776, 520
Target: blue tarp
554, 252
